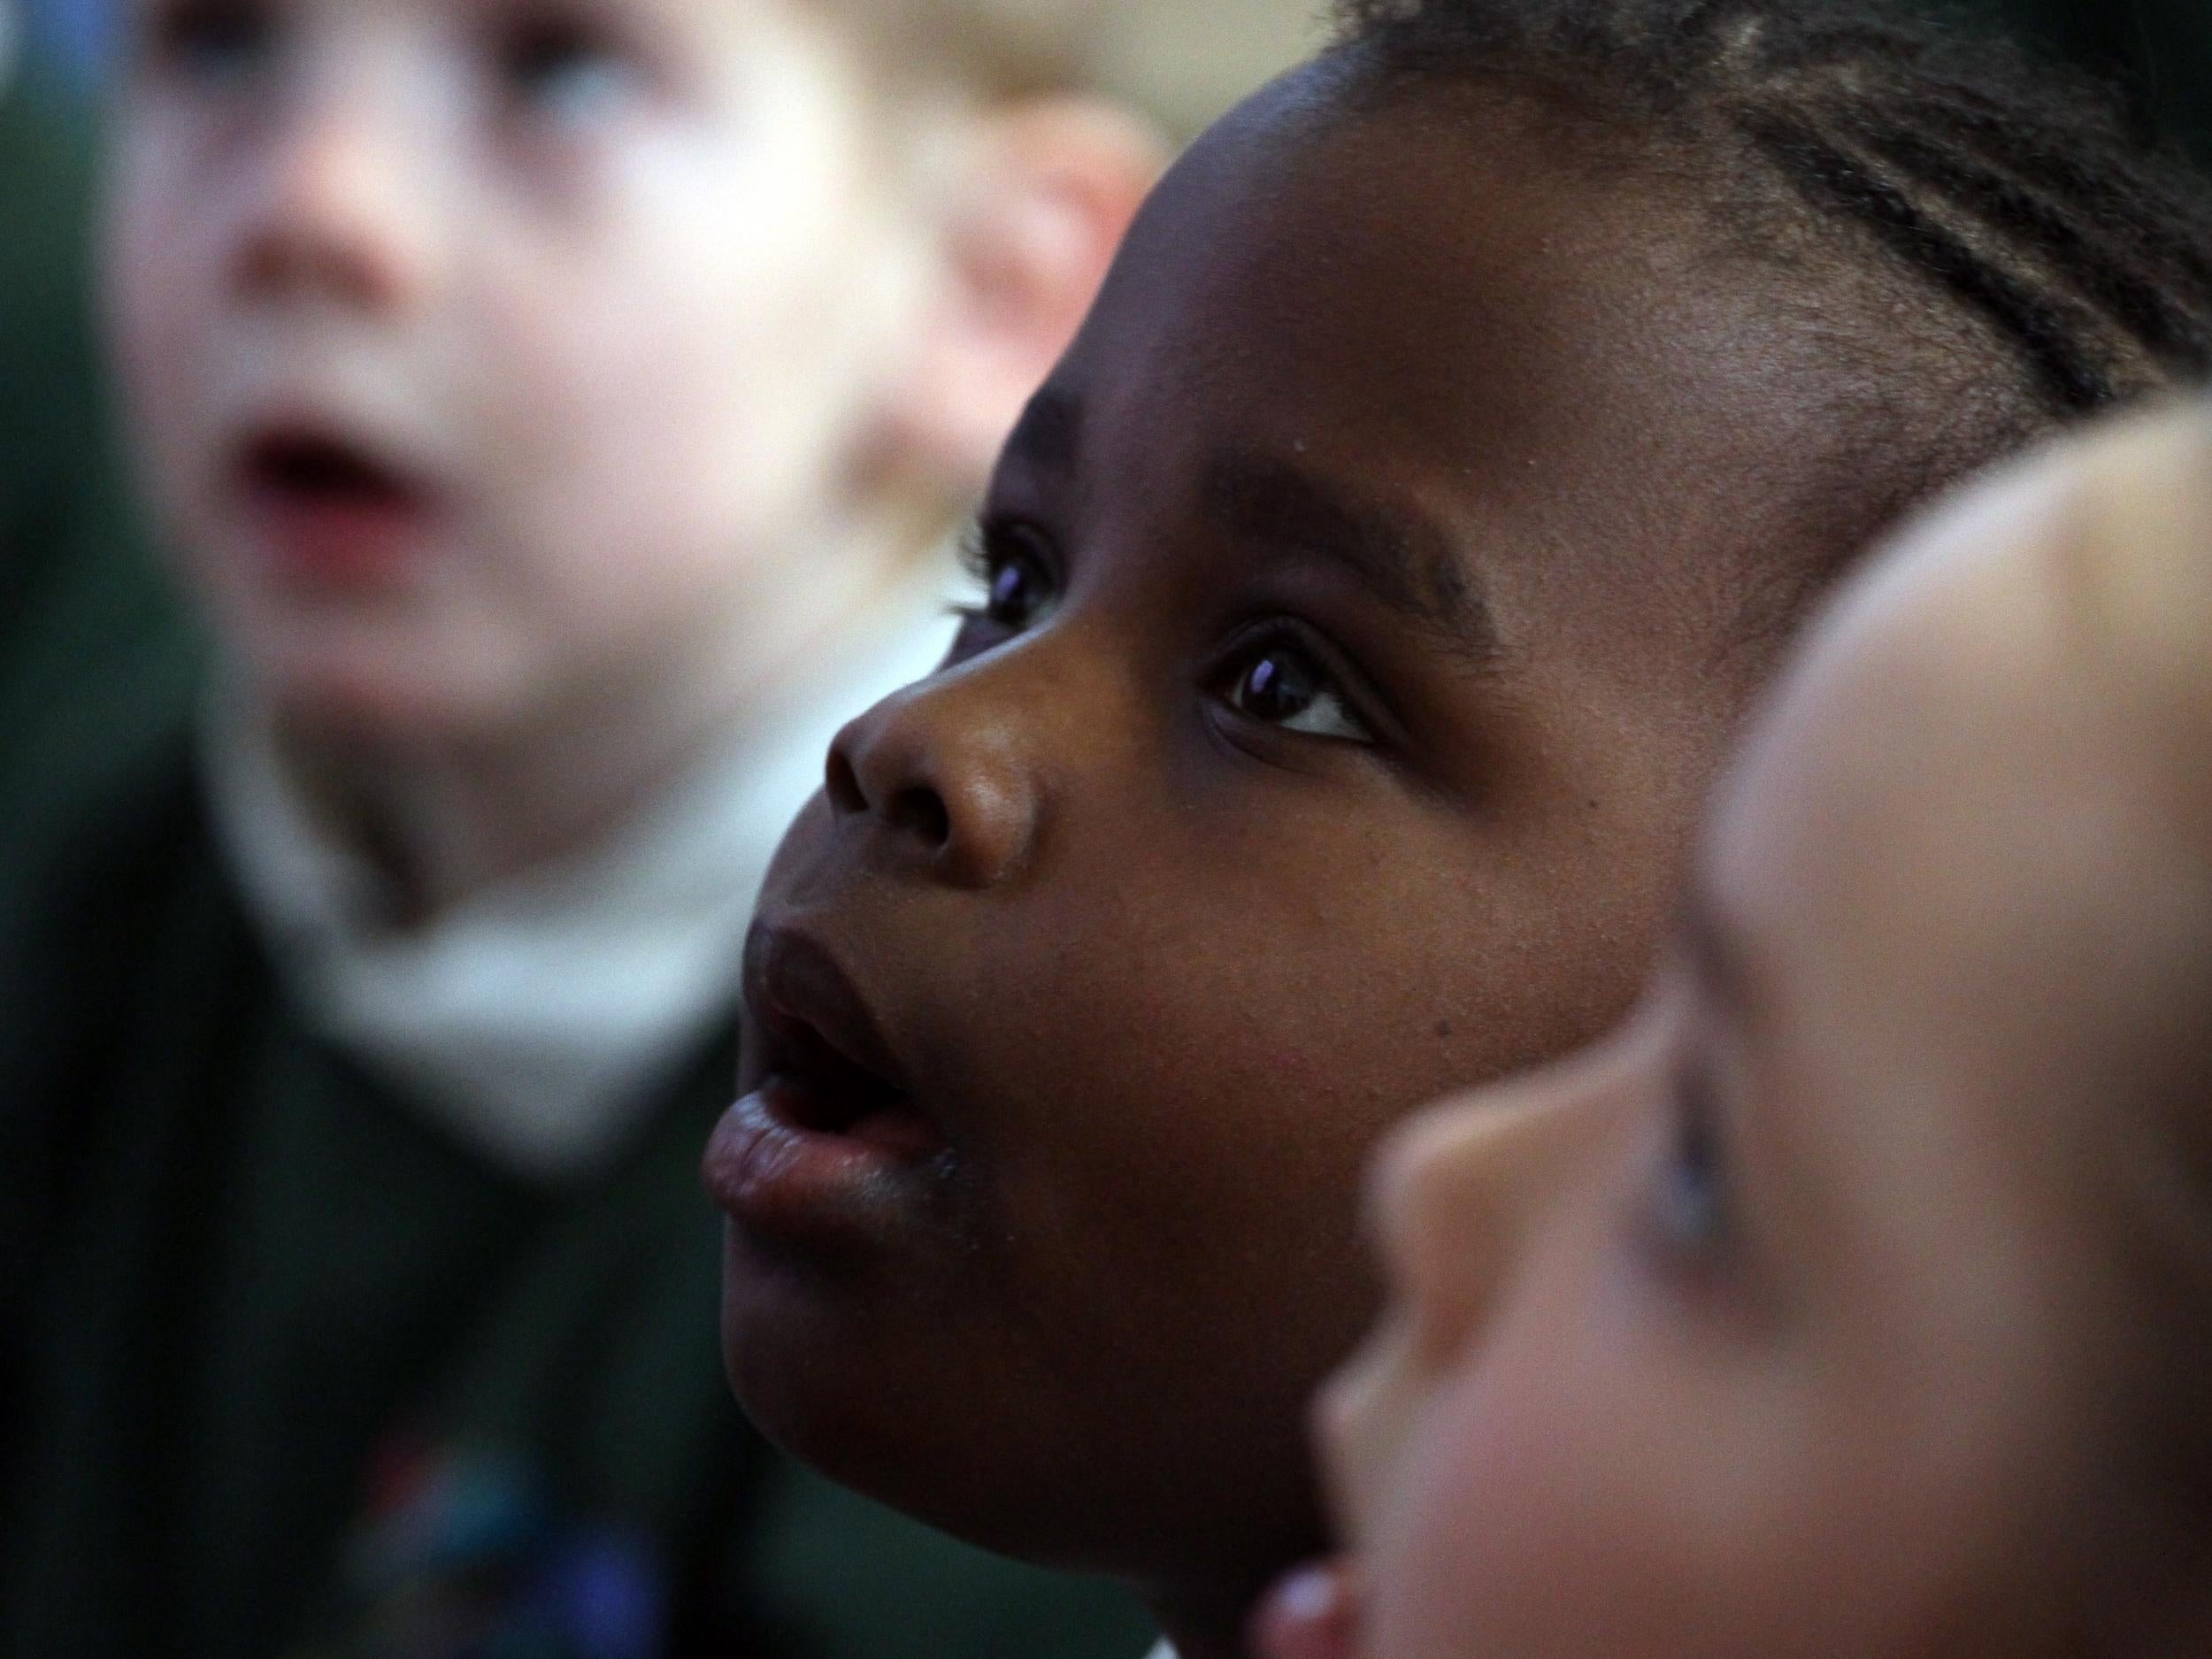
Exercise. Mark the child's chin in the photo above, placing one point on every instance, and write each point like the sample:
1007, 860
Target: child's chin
349, 692
807, 1331
856, 1377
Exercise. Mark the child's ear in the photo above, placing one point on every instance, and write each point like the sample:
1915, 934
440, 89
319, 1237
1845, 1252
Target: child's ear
1027, 235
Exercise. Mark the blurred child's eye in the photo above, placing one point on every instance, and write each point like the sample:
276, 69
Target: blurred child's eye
1278, 682
1011, 565
212, 41
563, 69
1693, 1207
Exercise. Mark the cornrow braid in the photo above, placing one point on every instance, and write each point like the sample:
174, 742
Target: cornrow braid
2018, 194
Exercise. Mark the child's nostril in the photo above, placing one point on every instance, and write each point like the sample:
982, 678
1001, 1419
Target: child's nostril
921, 810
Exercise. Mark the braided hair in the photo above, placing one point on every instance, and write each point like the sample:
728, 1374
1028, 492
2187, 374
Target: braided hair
2009, 211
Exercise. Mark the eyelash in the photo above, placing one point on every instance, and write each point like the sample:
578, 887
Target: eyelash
552, 63
992, 549
541, 54
1693, 1206
1276, 640
989, 549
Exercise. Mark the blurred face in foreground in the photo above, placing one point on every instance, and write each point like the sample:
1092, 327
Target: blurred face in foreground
1852, 1300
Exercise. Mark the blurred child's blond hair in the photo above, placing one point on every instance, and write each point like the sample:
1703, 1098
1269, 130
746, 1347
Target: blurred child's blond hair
1154, 72
1177, 63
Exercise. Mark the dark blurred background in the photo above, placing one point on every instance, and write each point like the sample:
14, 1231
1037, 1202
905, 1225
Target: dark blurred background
2160, 49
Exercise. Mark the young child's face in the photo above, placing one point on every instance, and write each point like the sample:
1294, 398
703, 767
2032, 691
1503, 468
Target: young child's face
1346, 692
490, 352
1808, 1316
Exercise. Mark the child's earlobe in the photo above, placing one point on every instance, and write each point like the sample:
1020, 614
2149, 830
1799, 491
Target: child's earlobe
1028, 235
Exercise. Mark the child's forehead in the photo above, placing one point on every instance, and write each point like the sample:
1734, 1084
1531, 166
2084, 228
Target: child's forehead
1314, 241
2044, 627
1269, 255
1934, 704
1518, 343
1977, 927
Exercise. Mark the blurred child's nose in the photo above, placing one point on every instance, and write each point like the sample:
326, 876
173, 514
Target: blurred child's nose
1453, 1198
1458, 1193
341, 209
943, 775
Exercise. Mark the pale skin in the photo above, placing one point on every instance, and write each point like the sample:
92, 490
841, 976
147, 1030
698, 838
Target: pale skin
1844, 1303
662, 317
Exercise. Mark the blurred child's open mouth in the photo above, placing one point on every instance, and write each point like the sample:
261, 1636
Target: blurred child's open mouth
829, 1134
329, 507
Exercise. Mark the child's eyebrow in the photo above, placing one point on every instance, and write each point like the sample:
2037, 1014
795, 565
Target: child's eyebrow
1397, 552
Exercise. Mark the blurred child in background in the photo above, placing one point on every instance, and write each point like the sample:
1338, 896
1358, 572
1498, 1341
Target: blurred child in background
1853, 1301
555, 409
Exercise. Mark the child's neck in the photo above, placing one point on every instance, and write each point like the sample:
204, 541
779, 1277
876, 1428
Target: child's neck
446, 816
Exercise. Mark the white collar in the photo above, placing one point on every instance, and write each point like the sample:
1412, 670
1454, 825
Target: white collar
533, 1019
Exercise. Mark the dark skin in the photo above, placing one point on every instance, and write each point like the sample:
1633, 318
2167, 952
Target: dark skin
1357, 655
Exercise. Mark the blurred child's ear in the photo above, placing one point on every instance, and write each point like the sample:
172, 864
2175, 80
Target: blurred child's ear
1028, 235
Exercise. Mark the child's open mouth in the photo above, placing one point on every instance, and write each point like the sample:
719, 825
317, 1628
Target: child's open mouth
830, 1132
327, 507
813, 1088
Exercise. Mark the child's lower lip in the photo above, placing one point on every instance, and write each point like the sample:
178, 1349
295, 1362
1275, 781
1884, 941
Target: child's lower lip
332, 538
766, 1170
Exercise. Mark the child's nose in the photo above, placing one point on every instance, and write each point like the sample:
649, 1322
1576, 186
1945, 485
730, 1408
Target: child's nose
949, 788
342, 211
1458, 1193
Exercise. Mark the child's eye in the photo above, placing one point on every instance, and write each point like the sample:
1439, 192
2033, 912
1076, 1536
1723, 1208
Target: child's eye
1693, 1207
212, 42
1017, 593
563, 69
1278, 682
1011, 565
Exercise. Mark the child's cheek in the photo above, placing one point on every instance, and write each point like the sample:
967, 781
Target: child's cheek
675, 392
159, 300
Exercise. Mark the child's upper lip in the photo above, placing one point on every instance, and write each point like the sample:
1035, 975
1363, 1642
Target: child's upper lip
298, 438
794, 981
